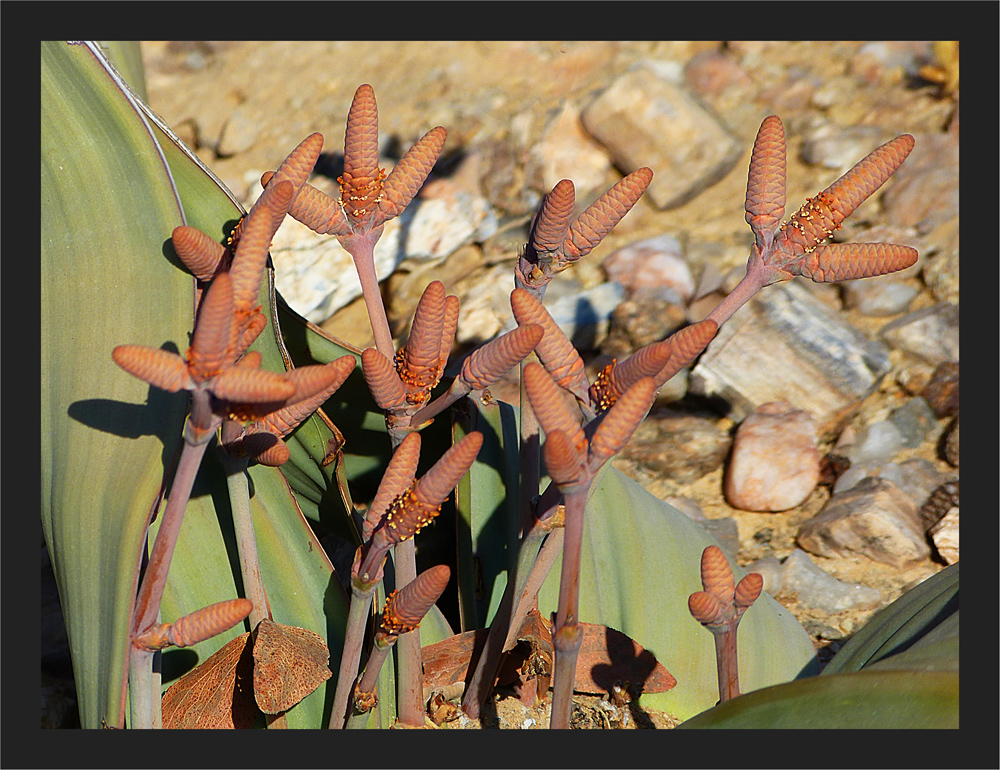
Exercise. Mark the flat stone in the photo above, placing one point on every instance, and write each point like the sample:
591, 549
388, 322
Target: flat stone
873, 519
820, 590
774, 464
769, 568
930, 333
786, 345
682, 448
645, 120
238, 135
638, 322
840, 147
945, 536
878, 298
941, 391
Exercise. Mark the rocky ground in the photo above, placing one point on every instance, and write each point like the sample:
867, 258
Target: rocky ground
523, 115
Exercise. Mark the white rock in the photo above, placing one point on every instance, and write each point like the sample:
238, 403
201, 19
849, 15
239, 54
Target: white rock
316, 276
774, 464
821, 590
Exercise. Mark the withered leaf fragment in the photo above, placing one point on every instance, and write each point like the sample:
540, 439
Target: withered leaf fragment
217, 693
289, 663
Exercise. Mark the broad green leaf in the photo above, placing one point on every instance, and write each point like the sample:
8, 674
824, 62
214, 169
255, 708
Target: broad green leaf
108, 208
859, 700
640, 563
486, 504
915, 615
111, 195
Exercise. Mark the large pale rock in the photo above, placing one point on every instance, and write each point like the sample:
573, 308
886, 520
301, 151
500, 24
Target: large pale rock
567, 151
786, 345
316, 276
873, 519
645, 120
774, 465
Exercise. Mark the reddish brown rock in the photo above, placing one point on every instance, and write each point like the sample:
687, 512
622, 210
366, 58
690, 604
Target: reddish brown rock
873, 519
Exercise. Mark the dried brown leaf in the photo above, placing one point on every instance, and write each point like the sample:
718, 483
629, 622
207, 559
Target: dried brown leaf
217, 694
289, 663
608, 657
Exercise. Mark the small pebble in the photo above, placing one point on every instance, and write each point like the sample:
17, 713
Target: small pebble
945, 536
775, 463
913, 420
818, 589
951, 445
857, 473
651, 267
238, 135
877, 444
726, 534
770, 569
941, 392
